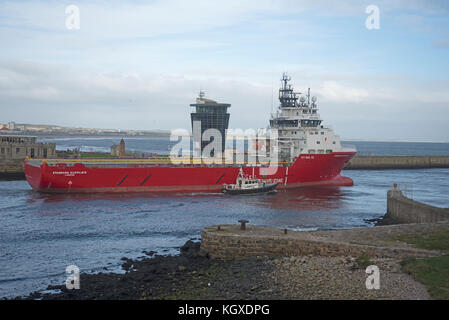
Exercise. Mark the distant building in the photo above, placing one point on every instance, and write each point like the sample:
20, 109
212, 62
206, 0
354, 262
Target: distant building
20, 147
11, 125
119, 150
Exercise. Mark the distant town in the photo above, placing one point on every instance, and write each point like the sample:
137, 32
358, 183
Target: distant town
55, 130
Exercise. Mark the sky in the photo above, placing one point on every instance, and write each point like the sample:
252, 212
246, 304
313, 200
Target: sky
139, 64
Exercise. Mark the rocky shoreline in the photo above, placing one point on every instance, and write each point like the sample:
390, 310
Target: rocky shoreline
192, 275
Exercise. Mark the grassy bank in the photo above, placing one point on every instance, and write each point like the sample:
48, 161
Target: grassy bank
432, 272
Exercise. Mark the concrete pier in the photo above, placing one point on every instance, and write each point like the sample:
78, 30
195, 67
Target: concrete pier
397, 162
404, 210
230, 242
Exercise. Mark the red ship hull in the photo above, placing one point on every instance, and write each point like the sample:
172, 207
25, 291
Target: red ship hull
310, 169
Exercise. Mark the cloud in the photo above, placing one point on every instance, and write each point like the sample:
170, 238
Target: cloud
139, 64
336, 92
142, 19
119, 19
65, 96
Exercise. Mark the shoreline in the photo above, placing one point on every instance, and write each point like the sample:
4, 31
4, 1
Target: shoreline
193, 274
197, 277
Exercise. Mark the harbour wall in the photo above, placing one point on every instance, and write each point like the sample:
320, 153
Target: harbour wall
229, 242
397, 162
401, 209
11, 170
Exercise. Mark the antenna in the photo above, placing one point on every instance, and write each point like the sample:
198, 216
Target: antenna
308, 96
201, 94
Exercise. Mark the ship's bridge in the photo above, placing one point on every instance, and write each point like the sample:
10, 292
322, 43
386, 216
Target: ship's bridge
299, 125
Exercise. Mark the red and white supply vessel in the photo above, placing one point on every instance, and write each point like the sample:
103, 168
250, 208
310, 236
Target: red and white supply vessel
309, 154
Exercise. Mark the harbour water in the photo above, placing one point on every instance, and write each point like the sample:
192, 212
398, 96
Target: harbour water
40, 235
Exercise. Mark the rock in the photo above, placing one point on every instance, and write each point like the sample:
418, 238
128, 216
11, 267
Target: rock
255, 288
190, 248
203, 254
181, 268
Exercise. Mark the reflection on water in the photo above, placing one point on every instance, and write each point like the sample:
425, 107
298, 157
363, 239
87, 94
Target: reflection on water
310, 198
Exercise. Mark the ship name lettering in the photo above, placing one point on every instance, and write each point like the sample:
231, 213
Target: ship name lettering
69, 173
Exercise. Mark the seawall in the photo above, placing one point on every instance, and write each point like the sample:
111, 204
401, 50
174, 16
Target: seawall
401, 209
11, 170
397, 162
229, 242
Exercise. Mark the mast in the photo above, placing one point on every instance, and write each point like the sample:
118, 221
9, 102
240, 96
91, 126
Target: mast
308, 97
287, 97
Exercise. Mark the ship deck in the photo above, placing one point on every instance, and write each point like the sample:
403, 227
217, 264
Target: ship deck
150, 162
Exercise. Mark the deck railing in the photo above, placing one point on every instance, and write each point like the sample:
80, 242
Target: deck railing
157, 161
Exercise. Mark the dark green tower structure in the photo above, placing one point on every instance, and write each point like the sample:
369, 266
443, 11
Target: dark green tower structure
209, 114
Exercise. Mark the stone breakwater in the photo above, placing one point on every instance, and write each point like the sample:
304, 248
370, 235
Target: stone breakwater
12, 169
397, 162
401, 209
230, 242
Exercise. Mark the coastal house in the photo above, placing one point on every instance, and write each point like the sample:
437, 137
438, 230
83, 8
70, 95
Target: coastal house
19, 147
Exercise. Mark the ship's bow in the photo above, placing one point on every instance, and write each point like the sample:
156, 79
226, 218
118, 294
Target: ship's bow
33, 173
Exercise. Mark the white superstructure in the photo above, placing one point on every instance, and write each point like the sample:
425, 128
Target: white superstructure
299, 125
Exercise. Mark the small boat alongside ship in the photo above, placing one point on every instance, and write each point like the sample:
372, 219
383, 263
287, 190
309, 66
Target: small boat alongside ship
249, 185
